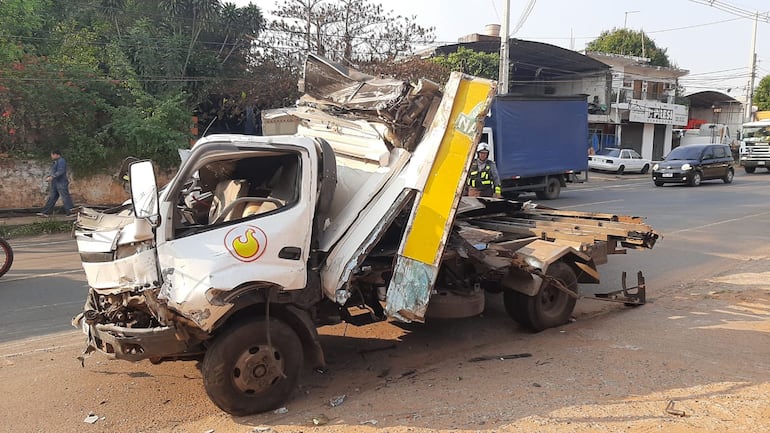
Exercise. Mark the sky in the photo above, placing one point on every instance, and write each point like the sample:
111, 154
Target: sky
712, 44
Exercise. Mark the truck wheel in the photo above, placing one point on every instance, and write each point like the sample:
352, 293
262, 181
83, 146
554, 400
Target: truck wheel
549, 307
551, 191
243, 375
749, 170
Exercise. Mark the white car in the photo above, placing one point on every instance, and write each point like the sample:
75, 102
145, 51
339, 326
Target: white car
618, 161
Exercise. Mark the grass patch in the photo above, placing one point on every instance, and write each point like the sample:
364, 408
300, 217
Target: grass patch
36, 228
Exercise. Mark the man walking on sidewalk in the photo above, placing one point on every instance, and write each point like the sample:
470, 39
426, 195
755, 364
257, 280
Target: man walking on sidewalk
59, 186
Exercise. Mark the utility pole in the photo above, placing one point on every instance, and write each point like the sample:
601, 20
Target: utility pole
502, 84
752, 72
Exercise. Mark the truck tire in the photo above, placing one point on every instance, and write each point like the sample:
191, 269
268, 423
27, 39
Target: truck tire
243, 375
750, 170
551, 190
549, 307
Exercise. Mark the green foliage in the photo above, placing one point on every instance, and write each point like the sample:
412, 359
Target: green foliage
762, 94
152, 128
630, 43
43, 227
480, 64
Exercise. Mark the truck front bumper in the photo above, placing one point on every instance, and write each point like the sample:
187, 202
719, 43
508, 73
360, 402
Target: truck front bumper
755, 163
133, 344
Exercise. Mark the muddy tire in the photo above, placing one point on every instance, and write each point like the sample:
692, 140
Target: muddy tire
243, 375
551, 191
549, 307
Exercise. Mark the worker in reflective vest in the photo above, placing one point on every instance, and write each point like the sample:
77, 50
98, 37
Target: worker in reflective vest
483, 179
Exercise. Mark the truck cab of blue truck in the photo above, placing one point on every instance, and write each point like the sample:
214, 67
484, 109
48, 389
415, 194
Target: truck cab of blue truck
539, 143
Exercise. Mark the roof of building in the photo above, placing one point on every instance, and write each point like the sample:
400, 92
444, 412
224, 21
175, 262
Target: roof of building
531, 59
709, 98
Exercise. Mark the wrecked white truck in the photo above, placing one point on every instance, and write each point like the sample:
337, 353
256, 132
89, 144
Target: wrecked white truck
258, 240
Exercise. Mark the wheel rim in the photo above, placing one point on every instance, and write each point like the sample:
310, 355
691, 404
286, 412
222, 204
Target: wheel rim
730, 175
257, 369
552, 300
696, 179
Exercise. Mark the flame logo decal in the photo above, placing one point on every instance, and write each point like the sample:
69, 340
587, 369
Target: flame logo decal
246, 243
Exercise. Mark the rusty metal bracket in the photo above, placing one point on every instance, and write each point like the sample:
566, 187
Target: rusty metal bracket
630, 296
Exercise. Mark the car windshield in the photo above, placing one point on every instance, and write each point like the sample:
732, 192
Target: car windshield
685, 152
609, 152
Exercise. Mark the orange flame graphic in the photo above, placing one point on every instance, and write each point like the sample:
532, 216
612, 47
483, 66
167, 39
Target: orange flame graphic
247, 248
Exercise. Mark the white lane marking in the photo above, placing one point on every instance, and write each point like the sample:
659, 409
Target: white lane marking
591, 204
717, 223
32, 277
42, 243
40, 307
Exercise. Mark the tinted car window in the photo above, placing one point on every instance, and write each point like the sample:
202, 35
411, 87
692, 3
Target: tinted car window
719, 152
709, 153
685, 152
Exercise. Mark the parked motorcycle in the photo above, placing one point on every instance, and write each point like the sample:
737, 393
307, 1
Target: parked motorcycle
6, 256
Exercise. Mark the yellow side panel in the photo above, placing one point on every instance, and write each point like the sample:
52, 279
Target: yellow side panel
435, 209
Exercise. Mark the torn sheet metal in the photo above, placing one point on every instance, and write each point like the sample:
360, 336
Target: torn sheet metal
136, 271
440, 175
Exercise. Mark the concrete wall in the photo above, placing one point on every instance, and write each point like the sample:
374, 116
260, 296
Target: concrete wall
21, 180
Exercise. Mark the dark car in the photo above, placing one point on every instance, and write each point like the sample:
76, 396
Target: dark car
694, 163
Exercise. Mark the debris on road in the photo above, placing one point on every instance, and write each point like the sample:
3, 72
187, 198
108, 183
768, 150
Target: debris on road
338, 400
369, 422
91, 418
671, 411
281, 410
500, 357
320, 420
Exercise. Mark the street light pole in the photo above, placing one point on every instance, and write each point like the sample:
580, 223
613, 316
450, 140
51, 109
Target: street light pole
625, 19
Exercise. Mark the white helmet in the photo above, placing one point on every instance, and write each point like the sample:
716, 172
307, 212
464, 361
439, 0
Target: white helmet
482, 147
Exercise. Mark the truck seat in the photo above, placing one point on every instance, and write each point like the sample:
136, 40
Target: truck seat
225, 193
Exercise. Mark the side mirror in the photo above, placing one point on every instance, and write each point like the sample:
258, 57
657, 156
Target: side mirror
144, 189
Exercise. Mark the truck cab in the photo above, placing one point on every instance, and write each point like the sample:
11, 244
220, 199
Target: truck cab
755, 145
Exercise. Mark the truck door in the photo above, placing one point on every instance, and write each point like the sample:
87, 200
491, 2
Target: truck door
238, 217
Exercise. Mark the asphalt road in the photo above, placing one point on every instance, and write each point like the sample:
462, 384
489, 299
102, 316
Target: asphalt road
704, 229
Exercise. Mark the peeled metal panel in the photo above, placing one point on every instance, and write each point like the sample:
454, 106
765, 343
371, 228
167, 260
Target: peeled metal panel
467, 102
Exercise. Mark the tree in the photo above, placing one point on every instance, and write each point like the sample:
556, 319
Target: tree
480, 64
762, 94
344, 31
631, 43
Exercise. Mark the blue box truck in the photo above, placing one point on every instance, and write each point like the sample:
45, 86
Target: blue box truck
539, 143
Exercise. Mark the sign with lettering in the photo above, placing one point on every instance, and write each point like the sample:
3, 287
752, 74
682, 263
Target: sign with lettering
644, 111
